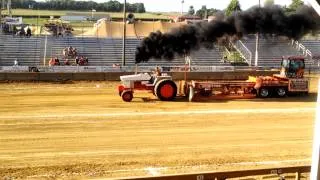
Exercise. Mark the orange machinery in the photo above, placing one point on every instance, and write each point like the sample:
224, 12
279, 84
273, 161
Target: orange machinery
290, 80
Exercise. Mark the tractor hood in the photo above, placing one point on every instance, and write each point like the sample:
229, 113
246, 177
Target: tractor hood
136, 77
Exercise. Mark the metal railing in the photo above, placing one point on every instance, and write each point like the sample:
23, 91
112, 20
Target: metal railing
301, 48
243, 50
278, 172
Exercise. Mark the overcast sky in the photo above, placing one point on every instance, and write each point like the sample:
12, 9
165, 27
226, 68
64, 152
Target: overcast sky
175, 5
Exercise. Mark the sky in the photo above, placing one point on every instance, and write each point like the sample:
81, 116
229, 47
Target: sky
176, 5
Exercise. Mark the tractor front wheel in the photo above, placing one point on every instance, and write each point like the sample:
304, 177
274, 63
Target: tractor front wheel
127, 96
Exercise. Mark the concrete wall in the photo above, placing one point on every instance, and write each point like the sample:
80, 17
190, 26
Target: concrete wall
115, 76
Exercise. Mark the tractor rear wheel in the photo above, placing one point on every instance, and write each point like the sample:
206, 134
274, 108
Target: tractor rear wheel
166, 90
127, 96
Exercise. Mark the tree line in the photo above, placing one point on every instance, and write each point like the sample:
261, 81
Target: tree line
234, 6
109, 6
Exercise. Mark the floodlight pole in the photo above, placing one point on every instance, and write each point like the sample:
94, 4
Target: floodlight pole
315, 168
9, 8
45, 51
1, 19
182, 7
257, 45
124, 35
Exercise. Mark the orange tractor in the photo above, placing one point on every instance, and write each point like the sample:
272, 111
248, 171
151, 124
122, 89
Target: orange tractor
290, 80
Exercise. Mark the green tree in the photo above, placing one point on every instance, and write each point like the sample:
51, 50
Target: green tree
233, 7
191, 10
295, 5
268, 2
140, 8
204, 12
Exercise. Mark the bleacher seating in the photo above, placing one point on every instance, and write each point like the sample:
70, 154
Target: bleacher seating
107, 51
270, 50
25, 50
312, 45
210, 57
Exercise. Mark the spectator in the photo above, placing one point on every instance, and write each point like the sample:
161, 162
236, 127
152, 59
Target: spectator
70, 51
81, 61
16, 62
51, 62
14, 31
55, 33
22, 32
77, 60
56, 61
225, 59
66, 62
74, 52
28, 32
86, 61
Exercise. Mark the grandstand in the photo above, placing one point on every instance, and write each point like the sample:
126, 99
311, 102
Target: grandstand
312, 45
26, 50
208, 57
270, 50
108, 51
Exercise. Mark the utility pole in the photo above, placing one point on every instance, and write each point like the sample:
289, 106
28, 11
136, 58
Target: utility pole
124, 34
257, 45
182, 7
9, 8
1, 8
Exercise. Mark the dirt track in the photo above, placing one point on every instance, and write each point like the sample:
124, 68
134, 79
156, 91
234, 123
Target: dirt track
66, 131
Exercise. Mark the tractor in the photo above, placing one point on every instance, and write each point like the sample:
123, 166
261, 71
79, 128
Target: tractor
161, 85
290, 81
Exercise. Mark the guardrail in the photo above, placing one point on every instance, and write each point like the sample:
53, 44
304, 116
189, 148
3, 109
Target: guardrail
231, 174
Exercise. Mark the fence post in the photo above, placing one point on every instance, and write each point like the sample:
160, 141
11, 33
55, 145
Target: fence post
315, 168
45, 51
297, 175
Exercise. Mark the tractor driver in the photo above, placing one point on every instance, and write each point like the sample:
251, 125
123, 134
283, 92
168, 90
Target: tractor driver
157, 71
155, 74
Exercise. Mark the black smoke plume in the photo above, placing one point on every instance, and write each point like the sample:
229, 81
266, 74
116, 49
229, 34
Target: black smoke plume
269, 20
